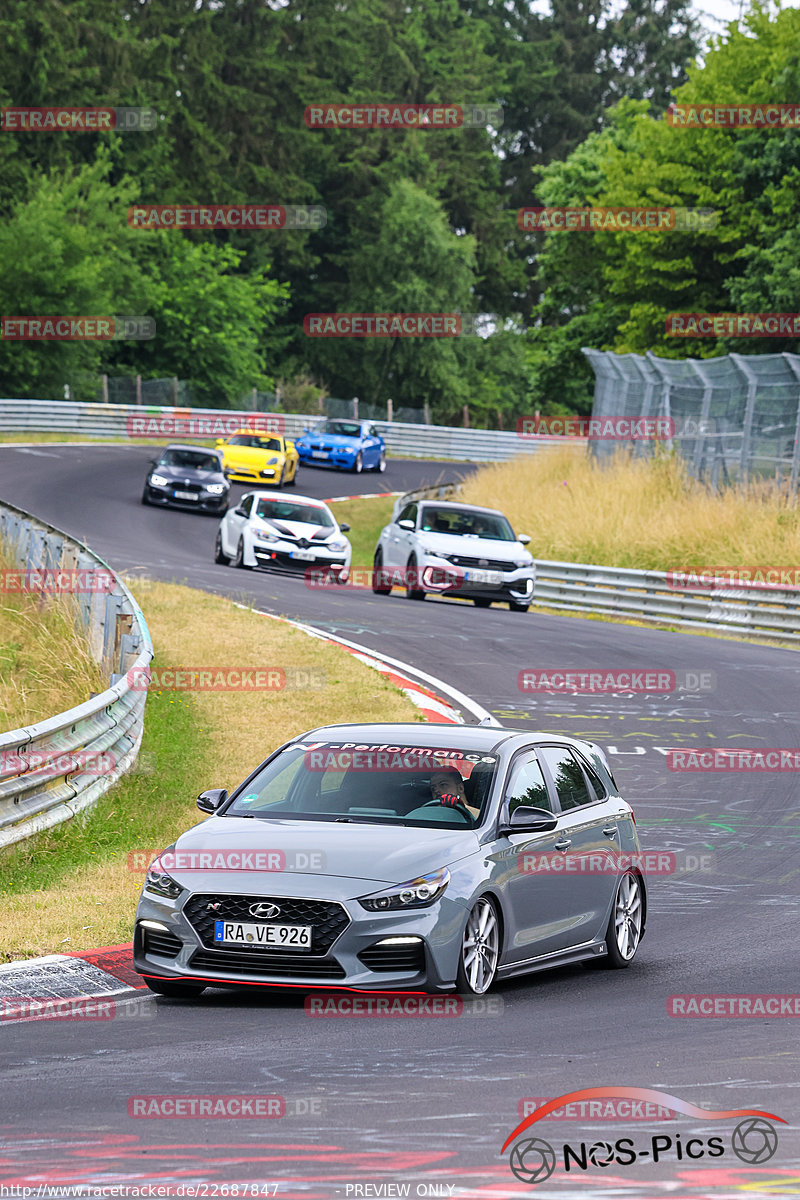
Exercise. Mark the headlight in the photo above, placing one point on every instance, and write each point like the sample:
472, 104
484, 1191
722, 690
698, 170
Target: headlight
520, 564
216, 489
336, 545
271, 461
159, 882
159, 480
267, 538
417, 893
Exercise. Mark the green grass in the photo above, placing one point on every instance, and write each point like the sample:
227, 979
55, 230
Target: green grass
366, 519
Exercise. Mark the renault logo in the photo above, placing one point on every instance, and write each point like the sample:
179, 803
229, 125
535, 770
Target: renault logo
264, 911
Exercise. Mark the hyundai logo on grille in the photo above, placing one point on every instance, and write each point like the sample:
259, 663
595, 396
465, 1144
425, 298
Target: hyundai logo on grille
265, 911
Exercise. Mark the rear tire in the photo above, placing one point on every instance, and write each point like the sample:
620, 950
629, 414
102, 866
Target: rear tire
171, 987
380, 585
380, 465
412, 592
624, 932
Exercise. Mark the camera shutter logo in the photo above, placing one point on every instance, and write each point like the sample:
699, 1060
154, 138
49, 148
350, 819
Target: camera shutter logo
754, 1140
532, 1160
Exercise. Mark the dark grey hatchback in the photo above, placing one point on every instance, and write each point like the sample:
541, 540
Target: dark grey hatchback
188, 477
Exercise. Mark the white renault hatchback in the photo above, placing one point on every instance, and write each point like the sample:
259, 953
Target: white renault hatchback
457, 549
265, 530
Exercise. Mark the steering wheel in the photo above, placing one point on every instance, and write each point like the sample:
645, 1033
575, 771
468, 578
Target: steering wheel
456, 808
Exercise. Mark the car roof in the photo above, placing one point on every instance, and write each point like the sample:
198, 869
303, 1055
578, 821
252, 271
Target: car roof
487, 738
198, 449
290, 499
474, 508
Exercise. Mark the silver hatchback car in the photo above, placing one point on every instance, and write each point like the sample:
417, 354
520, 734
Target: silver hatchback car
376, 857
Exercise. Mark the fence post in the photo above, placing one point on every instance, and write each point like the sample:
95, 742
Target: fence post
174, 391
705, 409
426, 408
466, 416
104, 387
355, 408
794, 365
747, 427
389, 410
139, 389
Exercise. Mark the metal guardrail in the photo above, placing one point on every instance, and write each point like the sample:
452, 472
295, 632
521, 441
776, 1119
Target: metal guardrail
404, 440
756, 612
56, 768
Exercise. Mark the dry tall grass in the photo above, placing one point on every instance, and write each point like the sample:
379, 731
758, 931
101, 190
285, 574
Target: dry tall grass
36, 633
647, 514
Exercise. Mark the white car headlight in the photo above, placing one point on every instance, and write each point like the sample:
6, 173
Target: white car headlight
216, 489
261, 535
337, 544
159, 480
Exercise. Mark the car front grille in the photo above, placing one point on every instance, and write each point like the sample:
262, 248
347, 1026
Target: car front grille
326, 918
480, 564
383, 957
241, 962
194, 488
159, 942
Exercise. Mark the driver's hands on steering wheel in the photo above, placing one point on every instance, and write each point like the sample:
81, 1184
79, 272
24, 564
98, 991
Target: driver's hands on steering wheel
453, 801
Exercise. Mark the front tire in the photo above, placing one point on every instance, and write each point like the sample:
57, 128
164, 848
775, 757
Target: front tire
481, 602
219, 554
413, 592
145, 499
626, 923
238, 558
516, 606
171, 987
358, 465
380, 585
480, 949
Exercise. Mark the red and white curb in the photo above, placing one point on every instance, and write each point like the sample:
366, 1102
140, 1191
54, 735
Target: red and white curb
71, 986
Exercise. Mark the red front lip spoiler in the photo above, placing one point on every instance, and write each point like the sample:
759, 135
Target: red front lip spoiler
306, 987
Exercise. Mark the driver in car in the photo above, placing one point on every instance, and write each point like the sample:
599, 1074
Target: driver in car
447, 788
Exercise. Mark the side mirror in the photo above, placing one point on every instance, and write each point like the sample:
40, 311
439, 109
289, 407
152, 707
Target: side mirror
524, 539
406, 524
210, 801
345, 528
153, 462
306, 429
239, 512
219, 442
527, 819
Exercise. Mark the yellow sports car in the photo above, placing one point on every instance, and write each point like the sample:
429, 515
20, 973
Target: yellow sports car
259, 458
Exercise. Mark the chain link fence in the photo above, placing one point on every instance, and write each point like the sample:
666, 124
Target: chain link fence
735, 418
177, 393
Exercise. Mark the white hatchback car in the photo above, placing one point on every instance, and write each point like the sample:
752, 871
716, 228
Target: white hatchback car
458, 549
265, 530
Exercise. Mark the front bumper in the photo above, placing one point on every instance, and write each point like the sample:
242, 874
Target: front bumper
282, 554
253, 475
517, 584
334, 458
358, 958
205, 502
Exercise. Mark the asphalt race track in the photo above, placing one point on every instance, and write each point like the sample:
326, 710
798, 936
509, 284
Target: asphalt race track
429, 1102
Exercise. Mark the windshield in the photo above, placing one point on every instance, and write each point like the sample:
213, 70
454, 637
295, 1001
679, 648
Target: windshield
466, 524
396, 785
289, 510
340, 428
195, 460
259, 443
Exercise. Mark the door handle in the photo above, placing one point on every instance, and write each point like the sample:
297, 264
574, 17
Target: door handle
563, 844
610, 830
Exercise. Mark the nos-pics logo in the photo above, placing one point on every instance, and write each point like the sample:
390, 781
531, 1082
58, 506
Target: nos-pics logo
754, 1139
